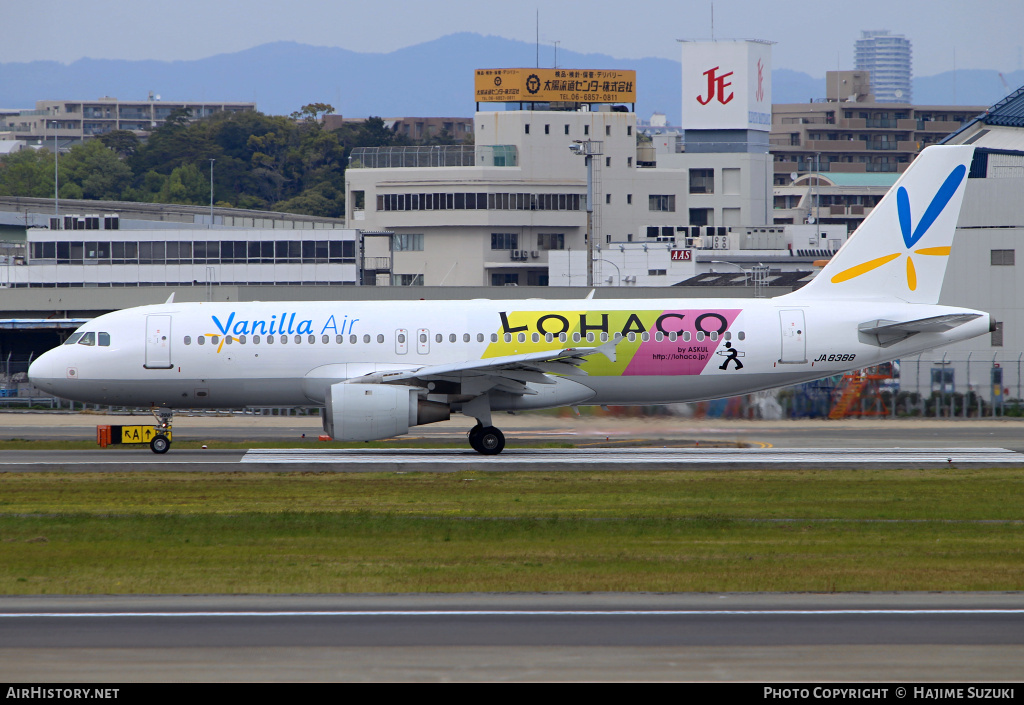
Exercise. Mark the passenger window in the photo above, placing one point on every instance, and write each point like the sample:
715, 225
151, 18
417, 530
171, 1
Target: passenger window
380, 337
340, 339
604, 337
298, 339
241, 340
548, 337
214, 339
105, 340
366, 338
75, 337
562, 337
228, 340
88, 339
522, 337
590, 337
255, 340
284, 339
508, 337
576, 337
479, 337
700, 336
494, 337
535, 338
311, 339
270, 340
452, 338
686, 336
326, 339
188, 340
714, 335
645, 337
201, 340
672, 336
438, 338
659, 336
401, 338
631, 337
465, 337
352, 339
742, 335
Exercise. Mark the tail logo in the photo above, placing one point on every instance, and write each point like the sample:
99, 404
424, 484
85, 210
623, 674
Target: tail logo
911, 236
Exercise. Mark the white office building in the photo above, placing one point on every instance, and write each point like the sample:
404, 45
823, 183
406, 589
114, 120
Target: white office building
512, 209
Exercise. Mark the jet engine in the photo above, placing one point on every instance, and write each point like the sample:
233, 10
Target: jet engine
369, 412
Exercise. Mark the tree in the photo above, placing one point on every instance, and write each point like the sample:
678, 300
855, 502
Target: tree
96, 170
27, 173
123, 142
313, 111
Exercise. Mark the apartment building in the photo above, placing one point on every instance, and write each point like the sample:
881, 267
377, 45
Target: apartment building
73, 121
851, 132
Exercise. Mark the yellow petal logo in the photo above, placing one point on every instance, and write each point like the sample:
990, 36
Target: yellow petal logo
910, 238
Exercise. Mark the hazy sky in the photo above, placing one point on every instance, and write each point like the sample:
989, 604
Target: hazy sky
812, 35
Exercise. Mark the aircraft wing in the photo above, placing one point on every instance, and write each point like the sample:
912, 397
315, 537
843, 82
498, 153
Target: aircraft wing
885, 333
509, 373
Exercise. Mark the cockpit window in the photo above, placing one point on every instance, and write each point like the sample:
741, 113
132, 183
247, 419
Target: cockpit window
88, 339
104, 339
73, 339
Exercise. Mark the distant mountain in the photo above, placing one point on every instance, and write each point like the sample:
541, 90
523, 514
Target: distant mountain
430, 79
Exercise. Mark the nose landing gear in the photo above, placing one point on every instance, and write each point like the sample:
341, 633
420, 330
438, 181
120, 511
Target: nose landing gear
161, 442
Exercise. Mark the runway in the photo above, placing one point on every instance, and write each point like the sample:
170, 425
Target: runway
783, 637
975, 637
512, 460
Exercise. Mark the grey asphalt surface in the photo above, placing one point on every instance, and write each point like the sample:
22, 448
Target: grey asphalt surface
788, 637
729, 637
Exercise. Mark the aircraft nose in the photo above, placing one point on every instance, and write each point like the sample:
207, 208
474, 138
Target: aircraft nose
44, 372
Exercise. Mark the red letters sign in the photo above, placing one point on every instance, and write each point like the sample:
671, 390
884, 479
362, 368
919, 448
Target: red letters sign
682, 255
717, 86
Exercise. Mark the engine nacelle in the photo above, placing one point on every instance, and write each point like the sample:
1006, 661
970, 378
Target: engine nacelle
369, 412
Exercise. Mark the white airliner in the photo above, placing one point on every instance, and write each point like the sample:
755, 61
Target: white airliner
378, 368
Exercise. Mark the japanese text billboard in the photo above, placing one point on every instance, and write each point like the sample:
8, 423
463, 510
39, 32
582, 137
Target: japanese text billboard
555, 85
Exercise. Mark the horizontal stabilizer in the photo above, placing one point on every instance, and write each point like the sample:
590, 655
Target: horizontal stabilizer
885, 333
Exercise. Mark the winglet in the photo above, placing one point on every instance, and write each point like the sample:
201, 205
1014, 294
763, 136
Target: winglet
590, 295
608, 349
170, 299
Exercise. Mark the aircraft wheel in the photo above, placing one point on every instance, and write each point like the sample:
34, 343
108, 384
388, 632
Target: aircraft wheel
160, 444
490, 441
474, 438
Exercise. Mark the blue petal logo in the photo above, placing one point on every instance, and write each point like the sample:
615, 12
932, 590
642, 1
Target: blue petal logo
910, 238
945, 192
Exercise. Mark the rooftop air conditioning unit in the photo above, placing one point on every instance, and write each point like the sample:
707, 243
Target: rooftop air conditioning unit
534, 254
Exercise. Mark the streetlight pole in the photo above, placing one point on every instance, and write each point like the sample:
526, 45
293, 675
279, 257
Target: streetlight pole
618, 273
56, 183
589, 149
211, 191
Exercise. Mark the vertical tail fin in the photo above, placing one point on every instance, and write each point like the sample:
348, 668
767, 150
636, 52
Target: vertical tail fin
901, 249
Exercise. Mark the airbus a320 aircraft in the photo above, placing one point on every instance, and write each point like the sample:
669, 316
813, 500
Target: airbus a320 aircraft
378, 368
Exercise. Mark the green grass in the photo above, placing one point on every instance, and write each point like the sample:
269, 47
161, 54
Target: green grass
836, 530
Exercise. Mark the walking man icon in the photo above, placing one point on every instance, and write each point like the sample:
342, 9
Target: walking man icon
733, 356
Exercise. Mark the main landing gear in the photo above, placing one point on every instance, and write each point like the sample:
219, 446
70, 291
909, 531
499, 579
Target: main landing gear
486, 439
161, 441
